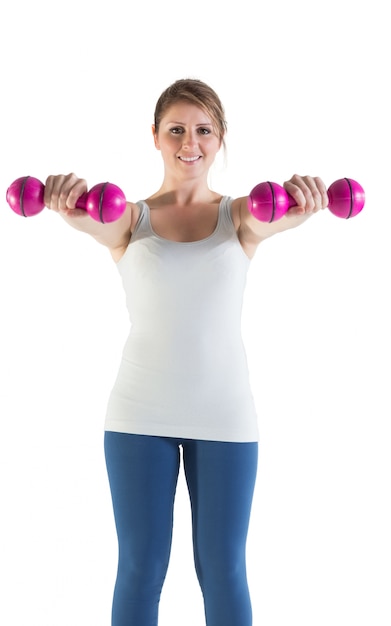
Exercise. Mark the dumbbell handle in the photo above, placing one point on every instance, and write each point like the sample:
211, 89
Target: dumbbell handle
268, 201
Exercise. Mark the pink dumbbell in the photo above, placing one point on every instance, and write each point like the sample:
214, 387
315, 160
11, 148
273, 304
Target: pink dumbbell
104, 203
268, 202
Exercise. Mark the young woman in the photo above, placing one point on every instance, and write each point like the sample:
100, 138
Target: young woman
183, 254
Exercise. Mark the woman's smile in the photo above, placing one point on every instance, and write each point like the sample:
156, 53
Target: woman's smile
189, 160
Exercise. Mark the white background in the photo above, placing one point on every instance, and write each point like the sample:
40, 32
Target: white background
306, 89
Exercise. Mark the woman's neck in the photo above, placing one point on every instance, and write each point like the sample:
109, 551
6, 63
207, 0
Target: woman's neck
182, 194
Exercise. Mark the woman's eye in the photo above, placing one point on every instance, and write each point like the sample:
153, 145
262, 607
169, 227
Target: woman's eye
176, 131
204, 131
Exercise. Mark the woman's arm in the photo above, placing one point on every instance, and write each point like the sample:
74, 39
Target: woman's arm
310, 195
61, 195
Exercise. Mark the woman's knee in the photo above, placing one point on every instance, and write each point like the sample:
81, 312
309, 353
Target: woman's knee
142, 578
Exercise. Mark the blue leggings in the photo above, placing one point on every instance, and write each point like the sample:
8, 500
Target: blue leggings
143, 472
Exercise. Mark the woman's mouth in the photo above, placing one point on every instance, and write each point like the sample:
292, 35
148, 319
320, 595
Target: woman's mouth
189, 159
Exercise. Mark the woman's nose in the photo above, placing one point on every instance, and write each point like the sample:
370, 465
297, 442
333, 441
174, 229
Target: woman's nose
189, 139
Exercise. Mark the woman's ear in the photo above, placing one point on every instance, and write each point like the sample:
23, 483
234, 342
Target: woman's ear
155, 138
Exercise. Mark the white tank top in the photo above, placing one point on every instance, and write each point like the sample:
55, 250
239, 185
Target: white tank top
184, 370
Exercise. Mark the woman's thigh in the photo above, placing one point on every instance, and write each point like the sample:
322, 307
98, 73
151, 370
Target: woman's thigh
143, 473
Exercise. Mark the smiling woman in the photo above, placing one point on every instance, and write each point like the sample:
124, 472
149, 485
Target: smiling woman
183, 255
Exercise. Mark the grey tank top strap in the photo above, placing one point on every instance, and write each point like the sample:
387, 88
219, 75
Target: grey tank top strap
225, 215
143, 226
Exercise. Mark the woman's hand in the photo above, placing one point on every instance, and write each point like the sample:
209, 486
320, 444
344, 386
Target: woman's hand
310, 195
62, 193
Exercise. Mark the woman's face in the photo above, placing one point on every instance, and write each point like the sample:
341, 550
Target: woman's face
187, 140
